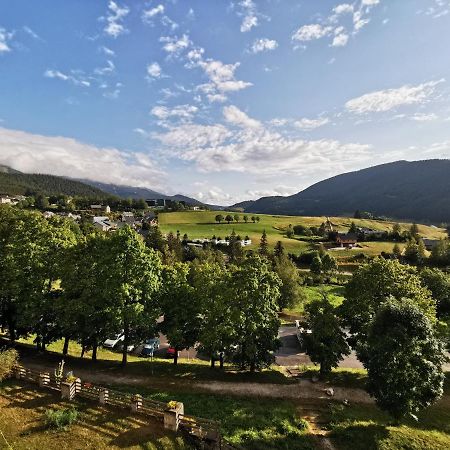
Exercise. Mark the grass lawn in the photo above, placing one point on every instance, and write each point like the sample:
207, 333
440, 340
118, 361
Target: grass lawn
366, 428
334, 292
22, 409
201, 224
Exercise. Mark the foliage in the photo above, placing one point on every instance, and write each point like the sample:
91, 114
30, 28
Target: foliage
404, 361
291, 292
438, 283
326, 345
8, 359
253, 295
264, 245
60, 418
372, 284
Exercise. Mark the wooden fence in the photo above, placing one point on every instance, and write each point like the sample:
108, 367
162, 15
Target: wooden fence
204, 433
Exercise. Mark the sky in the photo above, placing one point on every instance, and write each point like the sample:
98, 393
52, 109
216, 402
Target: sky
223, 100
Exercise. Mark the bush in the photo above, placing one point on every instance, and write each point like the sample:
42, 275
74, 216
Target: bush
8, 359
60, 418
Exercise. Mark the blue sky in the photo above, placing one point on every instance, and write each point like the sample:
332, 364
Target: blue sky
223, 100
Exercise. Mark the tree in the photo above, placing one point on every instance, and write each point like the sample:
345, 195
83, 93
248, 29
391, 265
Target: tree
440, 253
326, 345
264, 245
235, 248
229, 218
291, 292
397, 251
438, 283
316, 265
300, 230
41, 202
289, 232
414, 230
253, 219
415, 252
253, 296
245, 218
374, 283
404, 361
396, 231
279, 250
155, 240
183, 310
219, 218
353, 228
237, 217
134, 273
257, 218
329, 264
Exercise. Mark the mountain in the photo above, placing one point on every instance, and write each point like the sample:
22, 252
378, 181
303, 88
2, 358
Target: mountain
418, 190
14, 182
138, 193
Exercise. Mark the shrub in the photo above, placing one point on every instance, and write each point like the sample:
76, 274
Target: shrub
8, 359
60, 418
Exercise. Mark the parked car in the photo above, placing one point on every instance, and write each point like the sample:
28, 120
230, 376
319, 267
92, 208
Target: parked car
113, 341
171, 352
130, 347
150, 346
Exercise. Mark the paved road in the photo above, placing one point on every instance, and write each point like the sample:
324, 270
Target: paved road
290, 353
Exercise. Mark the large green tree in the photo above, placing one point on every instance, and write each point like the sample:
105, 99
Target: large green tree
405, 359
326, 344
291, 291
254, 291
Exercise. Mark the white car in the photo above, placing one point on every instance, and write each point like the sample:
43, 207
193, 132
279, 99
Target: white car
114, 340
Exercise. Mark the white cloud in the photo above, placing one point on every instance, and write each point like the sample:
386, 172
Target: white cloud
261, 45
311, 124
385, 100
32, 33
107, 51
249, 14
180, 112
154, 70
235, 116
5, 36
251, 148
311, 32
420, 117
282, 190
68, 157
151, 13
76, 80
108, 69
116, 14
174, 45
344, 8
340, 40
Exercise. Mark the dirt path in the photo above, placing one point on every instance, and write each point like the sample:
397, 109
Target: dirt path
302, 389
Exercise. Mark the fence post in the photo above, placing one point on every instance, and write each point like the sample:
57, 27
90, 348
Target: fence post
103, 396
68, 390
136, 403
19, 372
172, 417
44, 379
77, 386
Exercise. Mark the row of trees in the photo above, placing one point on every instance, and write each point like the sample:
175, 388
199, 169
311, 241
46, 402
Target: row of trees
56, 282
395, 318
236, 218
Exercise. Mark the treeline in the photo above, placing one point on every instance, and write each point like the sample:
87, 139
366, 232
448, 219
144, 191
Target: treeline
28, 184
56, 282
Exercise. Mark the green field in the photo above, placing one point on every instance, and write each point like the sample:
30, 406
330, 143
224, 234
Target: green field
201, 224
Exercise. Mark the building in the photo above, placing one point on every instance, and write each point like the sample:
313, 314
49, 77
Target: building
103, 223
7, 200
430, 243
106, 208
346, 240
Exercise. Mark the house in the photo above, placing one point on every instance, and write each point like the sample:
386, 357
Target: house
128, 217
430, 243
346, 240
48, 214
7, 200
106, 208
103, 223
156, 203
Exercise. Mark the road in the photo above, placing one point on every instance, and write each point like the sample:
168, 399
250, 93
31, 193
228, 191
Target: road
290, 353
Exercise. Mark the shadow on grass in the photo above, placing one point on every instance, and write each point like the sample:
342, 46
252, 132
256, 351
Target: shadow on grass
349, 378
158, 369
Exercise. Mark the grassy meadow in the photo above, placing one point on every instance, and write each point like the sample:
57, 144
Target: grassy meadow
202, 224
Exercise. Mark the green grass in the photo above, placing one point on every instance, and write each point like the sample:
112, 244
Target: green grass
202, 224
365, 427
23, 415
334, 292
248, 423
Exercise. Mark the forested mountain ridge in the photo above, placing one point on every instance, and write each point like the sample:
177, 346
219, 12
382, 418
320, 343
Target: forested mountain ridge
418, 190
13, 182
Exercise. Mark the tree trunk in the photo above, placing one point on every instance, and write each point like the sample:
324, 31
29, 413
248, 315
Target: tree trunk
221, 360
252, 367
213, 362
66, 346
94, 351
175, 357
83, 349
125, 346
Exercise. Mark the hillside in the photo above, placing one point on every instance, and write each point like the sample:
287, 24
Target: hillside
140, 192
418, 191
14, 182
